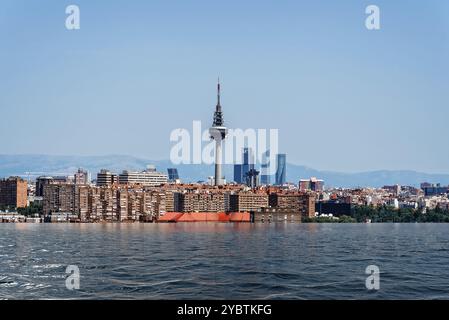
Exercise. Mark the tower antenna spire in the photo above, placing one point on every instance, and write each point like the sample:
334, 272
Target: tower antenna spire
218, 94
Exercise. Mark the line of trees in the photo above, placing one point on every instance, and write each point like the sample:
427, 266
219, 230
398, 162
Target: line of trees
32, 209
386, 214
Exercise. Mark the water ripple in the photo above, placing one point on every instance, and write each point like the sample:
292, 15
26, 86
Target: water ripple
224, 261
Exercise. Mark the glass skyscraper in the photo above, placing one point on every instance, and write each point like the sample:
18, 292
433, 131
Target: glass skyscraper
264, 168
281, 168
172, 174
238, 173
240, 170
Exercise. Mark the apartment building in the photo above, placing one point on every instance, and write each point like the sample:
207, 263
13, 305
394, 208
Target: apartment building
199, 202
13, 192
303, 203
59, 198
111, 203
246, 201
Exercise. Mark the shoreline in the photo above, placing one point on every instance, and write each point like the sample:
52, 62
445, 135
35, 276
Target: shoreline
221, 222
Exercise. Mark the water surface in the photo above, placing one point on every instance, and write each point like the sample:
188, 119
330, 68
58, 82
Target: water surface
224, 261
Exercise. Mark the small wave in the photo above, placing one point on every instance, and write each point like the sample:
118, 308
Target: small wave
277, 295
168, 281
47, 266
146, 284
8, 284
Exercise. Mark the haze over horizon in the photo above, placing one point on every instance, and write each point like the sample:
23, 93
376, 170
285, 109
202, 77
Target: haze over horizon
152, 160
344, 99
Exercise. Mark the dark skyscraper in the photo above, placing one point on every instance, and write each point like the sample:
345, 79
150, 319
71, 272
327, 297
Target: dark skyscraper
248, 160
240, 170
281, 168
172, 174
252, 178
238, 173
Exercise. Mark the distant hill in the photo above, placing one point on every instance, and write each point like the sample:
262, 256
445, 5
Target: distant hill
19, 165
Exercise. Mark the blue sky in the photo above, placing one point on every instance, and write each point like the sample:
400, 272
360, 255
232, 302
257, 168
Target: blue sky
344, 98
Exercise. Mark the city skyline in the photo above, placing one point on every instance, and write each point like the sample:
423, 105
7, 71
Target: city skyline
224, 159
344, 98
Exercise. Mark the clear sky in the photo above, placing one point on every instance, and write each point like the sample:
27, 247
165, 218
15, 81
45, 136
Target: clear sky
344, 98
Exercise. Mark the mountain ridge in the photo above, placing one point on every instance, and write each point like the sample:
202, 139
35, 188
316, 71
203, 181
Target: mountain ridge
31, 165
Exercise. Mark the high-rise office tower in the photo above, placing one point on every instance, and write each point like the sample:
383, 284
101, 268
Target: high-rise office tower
218, 133
241, 170
172, 174
281, 168
248, 160
252, 178
265, 168
238, 173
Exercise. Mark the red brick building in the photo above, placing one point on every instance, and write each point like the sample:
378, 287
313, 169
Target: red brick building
13, 192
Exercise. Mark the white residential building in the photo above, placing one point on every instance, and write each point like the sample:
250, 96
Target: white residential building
148, 177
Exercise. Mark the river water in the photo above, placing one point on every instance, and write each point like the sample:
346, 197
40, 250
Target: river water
224, 261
